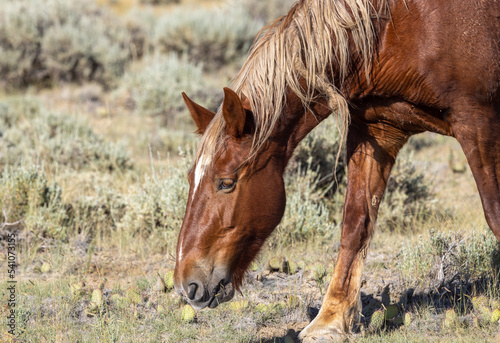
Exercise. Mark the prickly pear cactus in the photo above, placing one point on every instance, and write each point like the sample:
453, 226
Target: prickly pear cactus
377, 322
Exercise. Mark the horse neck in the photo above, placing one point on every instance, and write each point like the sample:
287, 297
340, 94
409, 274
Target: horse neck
297, 122
300, 119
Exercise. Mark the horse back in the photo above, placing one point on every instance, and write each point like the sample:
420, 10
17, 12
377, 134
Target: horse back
437, 52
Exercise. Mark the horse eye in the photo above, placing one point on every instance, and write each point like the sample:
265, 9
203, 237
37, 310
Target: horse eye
226, 184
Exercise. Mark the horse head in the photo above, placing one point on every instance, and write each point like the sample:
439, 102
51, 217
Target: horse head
233, 206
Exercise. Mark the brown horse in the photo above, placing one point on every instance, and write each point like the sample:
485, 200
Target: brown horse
388, 69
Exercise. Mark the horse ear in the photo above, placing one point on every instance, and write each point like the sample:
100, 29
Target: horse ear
200, 114
234, 113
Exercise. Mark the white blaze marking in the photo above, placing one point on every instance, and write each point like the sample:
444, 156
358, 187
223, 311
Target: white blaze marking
180, 252
197, 176
198, 173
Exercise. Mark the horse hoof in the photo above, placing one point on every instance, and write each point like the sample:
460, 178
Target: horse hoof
327, 338
320, 335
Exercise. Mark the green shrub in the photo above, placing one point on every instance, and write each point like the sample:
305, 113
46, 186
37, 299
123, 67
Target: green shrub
307, 214
61, 146
443, 257
96, 214
266, 10
30, 133
52, 41
29, 200
152, 209
212, 37
23, 191
311, 180
409, 197
156, 207
319, 152
422, 141
68, 149
156, 89
141, 24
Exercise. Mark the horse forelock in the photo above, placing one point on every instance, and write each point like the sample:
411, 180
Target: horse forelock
311, 43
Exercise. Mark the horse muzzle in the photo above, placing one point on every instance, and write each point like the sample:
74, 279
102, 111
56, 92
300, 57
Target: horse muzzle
211, 291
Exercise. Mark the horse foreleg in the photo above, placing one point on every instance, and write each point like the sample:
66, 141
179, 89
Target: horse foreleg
477, 129
371, 152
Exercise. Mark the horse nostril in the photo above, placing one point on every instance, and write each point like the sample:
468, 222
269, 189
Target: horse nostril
191, 293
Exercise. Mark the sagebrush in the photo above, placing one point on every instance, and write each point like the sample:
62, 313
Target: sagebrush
211, 37
31, 134
45, 42
155, 88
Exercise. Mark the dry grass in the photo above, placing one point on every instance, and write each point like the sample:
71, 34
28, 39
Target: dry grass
127, 252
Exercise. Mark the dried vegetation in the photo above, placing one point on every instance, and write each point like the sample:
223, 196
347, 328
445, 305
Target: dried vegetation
92, 182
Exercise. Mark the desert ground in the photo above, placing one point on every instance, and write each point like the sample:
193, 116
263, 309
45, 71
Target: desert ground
95, 145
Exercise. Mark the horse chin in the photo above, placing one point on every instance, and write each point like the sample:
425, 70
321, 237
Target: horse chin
225, 294
220, 295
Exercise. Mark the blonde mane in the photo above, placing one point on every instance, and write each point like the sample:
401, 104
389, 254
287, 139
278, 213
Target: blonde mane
310, 43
